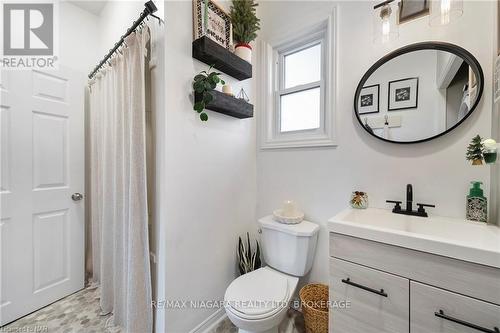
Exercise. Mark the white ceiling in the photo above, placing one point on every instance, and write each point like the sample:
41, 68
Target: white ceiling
94, 7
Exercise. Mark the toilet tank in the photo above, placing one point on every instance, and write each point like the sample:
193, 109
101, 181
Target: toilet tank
288, 248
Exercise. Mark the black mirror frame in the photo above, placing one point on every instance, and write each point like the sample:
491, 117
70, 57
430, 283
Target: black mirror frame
441, 46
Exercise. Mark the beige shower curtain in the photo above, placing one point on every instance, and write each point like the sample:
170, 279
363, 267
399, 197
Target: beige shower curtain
119, 217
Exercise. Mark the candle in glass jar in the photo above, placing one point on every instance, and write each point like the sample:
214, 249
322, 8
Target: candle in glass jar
289, 208
226, 89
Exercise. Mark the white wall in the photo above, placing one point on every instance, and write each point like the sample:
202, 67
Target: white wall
495, 124
77, 37
321, 180
116, 17
210, 185
428, 118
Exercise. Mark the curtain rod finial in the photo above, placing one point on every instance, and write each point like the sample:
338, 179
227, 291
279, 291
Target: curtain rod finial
150, 6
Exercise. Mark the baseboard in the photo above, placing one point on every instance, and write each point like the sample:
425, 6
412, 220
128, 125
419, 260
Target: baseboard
211, 322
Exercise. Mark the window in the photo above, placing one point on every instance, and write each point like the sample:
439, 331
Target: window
298, 90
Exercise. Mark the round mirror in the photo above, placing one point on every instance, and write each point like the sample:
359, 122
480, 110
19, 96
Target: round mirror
419, 92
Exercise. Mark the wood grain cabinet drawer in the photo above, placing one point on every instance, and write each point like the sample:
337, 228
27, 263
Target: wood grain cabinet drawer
462, 277
376, 301
439, 311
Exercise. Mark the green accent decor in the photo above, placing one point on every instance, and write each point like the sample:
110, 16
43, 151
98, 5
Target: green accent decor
244, 20
477, 204
475, 151
248, 260
203, 83
476, 190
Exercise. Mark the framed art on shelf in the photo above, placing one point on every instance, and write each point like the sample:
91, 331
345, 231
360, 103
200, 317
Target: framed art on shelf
369, 99
403, 94
412, 9
210, 20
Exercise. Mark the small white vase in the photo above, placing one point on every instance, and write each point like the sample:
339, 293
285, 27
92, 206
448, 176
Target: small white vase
244, 51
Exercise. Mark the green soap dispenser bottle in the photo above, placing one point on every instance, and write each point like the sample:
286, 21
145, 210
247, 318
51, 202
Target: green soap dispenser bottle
477, 204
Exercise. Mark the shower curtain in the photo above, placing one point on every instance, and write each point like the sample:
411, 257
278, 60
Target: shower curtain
119, 216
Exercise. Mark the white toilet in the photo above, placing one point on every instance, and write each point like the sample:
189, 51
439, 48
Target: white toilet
258, 301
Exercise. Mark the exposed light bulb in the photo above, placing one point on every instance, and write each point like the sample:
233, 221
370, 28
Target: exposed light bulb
385, 15
386, 27
445, 11
384, 22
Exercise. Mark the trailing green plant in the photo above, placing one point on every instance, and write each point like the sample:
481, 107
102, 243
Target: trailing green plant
203, 83
245, 21
248, 260
475, 150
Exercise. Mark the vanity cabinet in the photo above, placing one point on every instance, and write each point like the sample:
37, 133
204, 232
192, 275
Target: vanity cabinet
395, 289
439, 311
377, 301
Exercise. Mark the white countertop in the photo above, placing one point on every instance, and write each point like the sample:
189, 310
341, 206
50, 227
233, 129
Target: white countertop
451, 237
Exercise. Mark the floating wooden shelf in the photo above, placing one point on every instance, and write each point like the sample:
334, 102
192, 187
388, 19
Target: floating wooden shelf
211, 53
228, 105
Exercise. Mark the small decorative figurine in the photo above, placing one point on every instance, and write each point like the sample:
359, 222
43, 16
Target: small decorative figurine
475, 151
243, 95
359, 200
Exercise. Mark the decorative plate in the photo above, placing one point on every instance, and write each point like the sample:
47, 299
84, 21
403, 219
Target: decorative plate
278, 217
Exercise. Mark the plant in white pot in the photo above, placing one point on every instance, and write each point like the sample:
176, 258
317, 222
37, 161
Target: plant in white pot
245, 26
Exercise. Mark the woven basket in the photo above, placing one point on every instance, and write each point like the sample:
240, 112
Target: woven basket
314, 299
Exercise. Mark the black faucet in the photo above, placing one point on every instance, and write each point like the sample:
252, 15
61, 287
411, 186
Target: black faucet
409, 198
409, 205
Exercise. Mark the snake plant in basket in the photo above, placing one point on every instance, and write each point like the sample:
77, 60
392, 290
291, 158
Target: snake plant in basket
248, 260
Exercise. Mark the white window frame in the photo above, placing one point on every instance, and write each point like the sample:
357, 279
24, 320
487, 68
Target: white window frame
290, 48
272, 88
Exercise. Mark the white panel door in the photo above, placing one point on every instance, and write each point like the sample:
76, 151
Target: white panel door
42, 166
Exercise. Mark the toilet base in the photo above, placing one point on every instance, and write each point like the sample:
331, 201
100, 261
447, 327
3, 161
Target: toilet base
272, 330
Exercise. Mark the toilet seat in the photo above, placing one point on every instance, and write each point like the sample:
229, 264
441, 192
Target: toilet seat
258, 294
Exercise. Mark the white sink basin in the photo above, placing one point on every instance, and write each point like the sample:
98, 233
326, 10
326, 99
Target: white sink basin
461, 239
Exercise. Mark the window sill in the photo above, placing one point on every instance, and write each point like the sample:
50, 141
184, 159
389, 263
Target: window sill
303, 143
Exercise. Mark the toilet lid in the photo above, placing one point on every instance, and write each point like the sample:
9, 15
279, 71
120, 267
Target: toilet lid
259, 292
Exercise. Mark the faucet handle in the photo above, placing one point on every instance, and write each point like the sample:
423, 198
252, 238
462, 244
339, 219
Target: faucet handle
421, 205
421, 208
397, 207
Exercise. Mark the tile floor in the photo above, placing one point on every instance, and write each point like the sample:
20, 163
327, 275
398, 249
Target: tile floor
293, 323
80, 313
77, 313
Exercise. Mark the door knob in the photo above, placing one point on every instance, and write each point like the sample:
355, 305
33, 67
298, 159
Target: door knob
77, 196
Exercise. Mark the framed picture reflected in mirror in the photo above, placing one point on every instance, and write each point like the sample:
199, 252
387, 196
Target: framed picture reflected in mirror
369, 99
431, 104
403, 94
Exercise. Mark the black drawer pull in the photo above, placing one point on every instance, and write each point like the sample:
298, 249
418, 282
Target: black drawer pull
378, 292
441, 314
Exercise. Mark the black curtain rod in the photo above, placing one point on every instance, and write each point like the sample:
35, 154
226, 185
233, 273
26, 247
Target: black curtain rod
149, 9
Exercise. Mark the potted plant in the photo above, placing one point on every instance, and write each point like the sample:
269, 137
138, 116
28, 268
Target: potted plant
475, 151
248, 260
245, 26
203, 83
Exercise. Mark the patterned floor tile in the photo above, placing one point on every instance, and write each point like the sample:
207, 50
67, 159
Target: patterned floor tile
293, 323
77, 313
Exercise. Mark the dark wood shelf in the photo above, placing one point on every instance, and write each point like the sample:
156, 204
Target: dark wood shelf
228, 105
211, 53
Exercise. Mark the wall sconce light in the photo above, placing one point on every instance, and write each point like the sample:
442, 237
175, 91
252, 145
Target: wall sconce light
385, 25
445, 11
